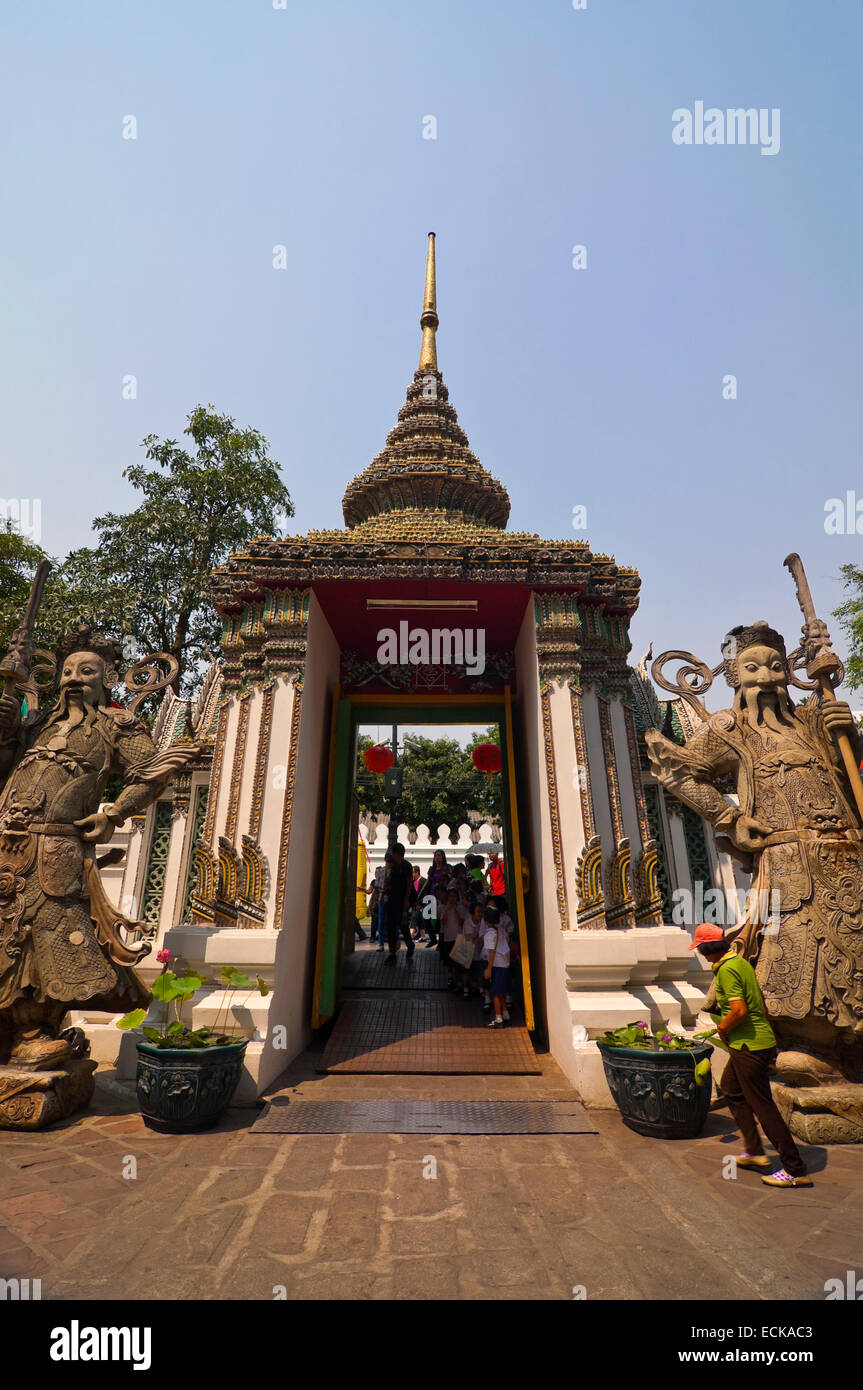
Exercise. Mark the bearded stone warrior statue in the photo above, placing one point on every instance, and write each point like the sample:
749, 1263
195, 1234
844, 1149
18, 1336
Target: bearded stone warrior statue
796, 824
62, 943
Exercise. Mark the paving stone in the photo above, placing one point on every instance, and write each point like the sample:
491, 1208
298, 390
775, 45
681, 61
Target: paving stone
415, 1196
234, 1186
432, 1237
341, 1282
352, 1227
425, 1276
256, 1276
309, 1161
364, 1149
282, 1226
360, 1179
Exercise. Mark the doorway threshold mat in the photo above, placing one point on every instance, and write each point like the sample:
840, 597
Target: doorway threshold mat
371, 970
424, 1117
427, 1036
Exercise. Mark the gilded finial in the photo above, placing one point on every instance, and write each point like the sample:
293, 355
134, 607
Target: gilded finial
429, 319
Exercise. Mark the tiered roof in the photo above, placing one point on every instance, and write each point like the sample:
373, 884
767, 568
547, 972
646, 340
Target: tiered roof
425, 508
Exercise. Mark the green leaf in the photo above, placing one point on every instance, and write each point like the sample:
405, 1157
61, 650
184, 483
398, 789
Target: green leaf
263, 986
236, 978
176, 1027
164, 987
132, 1020
153, 1034
702, 1071
169, 986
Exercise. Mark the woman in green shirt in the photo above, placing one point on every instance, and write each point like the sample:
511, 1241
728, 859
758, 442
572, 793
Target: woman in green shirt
745, 1028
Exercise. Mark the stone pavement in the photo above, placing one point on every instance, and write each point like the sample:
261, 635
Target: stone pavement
227, 1214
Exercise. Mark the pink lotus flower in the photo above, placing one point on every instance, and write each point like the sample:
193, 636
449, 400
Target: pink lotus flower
163, 957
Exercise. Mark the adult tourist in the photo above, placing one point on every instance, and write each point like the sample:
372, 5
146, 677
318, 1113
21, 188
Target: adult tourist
376, 891
438, 876
496, 875
744, 1027
416, 914
396, 899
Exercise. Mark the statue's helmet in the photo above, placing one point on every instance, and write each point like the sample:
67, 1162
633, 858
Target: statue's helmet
87, 639
739, 639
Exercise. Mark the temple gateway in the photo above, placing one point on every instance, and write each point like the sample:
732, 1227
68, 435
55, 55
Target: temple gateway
249, 858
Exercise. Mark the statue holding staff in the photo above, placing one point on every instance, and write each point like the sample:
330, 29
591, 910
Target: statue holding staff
63, 945
798, 823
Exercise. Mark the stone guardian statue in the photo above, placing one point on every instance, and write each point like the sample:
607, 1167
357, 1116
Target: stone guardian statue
62, 943
793, 819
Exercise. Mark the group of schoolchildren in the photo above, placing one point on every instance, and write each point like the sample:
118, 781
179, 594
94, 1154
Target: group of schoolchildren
462, 909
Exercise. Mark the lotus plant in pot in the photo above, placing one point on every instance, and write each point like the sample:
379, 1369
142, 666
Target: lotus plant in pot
187, 1076
660, 1081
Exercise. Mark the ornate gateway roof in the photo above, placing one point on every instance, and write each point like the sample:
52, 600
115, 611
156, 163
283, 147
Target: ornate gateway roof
425, 509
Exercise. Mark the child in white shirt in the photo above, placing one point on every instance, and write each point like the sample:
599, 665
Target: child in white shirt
496, 954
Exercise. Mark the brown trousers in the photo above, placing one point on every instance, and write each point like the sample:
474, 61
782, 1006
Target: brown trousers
746, 1086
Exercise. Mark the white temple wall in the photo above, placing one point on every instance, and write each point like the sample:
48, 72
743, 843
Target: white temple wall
275, 787
548, 968
631, 828
297, 930
173, 870
598, 772
572, 836
421, 849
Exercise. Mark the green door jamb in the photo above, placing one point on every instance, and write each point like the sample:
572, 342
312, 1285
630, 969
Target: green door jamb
328, 963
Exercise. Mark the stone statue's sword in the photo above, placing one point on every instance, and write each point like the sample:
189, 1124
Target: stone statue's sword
17, 663
822, 664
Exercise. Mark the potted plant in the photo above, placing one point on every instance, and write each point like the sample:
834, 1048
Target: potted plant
660, 1081
187, 1076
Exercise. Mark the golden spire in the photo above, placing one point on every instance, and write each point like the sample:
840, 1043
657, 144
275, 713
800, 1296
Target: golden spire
428, 318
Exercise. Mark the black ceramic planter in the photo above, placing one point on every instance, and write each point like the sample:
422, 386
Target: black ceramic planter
656, 1092
187, 1088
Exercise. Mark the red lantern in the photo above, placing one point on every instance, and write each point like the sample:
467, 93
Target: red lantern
486, 758
378, 758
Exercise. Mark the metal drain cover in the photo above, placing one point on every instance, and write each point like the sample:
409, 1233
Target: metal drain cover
424, 1117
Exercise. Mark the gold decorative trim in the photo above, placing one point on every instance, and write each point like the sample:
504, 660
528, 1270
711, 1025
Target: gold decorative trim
216, 774
620, 910
202, 900
590, 910
610, 768
635, 765
265, 725
648, 898
254, 884
588, 876
588, 815
239, 759
287, 810
554, 809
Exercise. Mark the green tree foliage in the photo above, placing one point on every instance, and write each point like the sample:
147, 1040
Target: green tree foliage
147, 580
440, 783
18, 560
850, 615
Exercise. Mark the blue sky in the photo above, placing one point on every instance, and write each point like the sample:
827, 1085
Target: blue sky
600, 387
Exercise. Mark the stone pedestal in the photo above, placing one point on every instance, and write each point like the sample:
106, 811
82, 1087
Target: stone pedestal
31, 1099
826, 1114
